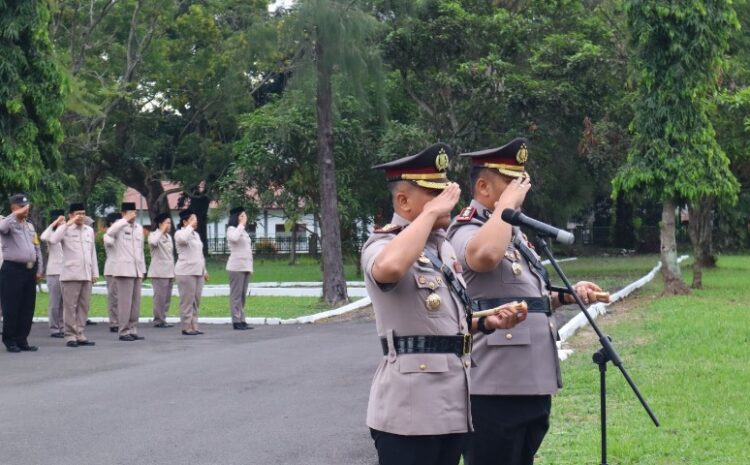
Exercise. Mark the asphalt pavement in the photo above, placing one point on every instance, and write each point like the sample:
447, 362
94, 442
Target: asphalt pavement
292, 394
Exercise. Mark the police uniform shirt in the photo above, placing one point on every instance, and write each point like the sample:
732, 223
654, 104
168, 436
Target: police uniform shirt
522, 360
20, 243
417, 394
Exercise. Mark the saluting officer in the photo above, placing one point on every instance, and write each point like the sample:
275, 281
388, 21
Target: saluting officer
161, 268
79, 274
109, 245
418, 412
517, 369
128, 266
54, 267
190, 271
20, 271
239, 266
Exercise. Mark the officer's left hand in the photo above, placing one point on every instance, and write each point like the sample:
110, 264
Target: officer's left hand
505, 319
586, 291
205, 277
39, 278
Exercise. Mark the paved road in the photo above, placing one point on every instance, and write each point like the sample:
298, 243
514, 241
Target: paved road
273, 395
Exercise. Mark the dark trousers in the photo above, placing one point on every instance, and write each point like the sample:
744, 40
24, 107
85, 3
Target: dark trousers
17, 298
441, 449
508, 430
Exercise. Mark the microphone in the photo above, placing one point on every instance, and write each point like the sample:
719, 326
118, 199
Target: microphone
516, 218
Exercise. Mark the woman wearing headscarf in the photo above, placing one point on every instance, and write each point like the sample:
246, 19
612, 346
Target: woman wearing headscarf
161, 268
239, 265
190, 271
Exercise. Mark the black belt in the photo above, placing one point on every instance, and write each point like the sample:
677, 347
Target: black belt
459, 345
536, 304
21, 265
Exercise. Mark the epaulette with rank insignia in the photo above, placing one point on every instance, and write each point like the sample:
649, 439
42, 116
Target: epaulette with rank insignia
466, 214
388, 229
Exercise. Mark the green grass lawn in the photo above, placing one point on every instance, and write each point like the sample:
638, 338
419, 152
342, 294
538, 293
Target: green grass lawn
611, 273
257, 306
279, 270
689, 356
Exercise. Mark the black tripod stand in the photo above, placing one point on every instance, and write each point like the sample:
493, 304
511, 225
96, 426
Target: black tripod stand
601, 357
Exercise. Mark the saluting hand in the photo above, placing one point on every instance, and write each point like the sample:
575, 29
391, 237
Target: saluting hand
193, 221
444, 202
22, 212
514, 194
165, 227
60, 220
72, 220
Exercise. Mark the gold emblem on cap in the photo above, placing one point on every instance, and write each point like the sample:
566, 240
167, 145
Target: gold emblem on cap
432, 301
441, 161
522, 155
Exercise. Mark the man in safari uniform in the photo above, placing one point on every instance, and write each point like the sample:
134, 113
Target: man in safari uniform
419, 410
517, 369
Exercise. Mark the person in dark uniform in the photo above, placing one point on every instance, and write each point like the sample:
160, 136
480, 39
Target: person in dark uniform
518, 369
419, 412
20, 272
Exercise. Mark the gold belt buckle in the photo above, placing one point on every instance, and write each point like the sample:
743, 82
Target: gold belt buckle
29, 265
468, 343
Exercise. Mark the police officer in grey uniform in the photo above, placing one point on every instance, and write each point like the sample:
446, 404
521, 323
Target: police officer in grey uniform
20, 271
128, 266
518, 369
161, 268
419, 412
239, 266
52, 272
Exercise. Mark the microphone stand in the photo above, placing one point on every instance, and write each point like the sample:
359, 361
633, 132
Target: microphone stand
601, 357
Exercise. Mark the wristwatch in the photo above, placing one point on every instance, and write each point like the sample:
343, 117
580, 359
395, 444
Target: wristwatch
481, 327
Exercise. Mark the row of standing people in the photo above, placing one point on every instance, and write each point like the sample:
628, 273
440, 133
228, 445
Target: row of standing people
72, 269
425, 273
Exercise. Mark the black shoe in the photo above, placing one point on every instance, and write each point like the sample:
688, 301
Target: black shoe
13, 349
127, 337
163, 325
190, 333
247, 326
113, 329
198, 332
239, 326
72, 343
90, 323
28, 348
137, 337
57, 335
86, 343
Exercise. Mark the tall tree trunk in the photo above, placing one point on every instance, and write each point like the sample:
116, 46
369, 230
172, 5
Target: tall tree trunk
701, 236
293, 245
334, 283
157, 203
199, 205
670, 270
